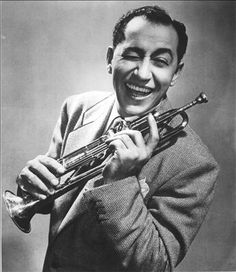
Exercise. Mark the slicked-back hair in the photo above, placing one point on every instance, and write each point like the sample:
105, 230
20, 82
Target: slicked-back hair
153, 14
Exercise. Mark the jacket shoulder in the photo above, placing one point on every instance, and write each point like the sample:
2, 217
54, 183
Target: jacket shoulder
187, 152
193, 147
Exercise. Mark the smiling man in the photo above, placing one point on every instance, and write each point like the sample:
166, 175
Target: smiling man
144, 210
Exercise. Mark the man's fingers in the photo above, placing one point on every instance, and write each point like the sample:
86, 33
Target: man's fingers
32, 191
51, 164
122, 141
39, 176
131, 137
153, 137
29, 182
137, 136
43, 173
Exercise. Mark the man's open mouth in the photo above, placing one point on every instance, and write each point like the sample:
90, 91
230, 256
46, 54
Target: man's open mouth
137, 91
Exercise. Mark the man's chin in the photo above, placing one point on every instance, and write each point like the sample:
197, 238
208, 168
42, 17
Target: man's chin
134, 111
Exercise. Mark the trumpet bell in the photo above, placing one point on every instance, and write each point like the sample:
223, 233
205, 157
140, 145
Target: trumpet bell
17, 211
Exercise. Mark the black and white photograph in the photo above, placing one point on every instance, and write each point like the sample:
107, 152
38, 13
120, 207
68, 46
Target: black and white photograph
118, 136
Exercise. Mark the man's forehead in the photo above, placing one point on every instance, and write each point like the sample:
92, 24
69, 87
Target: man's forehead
141, 30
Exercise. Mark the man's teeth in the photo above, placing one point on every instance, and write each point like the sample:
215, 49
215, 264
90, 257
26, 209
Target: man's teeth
139, 89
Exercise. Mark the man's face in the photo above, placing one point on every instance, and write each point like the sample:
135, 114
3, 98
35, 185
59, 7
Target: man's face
144, 65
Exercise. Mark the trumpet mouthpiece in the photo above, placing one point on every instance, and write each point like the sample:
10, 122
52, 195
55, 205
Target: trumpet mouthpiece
202, 98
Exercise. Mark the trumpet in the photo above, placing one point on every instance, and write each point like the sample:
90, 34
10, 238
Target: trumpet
88, 162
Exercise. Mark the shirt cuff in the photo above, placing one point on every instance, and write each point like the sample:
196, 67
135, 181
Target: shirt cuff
112, 200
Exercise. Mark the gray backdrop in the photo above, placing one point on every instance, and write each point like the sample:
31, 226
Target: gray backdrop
51, 50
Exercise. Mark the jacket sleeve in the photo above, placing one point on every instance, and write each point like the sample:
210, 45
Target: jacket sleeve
154, 235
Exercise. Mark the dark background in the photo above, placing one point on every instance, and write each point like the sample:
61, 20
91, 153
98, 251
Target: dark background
54, 49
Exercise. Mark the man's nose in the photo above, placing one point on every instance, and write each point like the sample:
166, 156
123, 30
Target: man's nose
143, 70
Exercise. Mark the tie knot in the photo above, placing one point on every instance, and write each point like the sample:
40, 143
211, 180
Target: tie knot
118, 124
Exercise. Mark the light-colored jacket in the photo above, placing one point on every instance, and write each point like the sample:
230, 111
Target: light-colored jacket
143, 223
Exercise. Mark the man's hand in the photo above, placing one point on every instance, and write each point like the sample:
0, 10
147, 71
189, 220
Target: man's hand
40, 176
131, 152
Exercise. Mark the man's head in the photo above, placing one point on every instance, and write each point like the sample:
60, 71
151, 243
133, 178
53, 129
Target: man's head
146, 58
156, 15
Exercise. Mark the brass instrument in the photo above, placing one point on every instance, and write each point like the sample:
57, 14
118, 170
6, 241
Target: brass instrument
89, 161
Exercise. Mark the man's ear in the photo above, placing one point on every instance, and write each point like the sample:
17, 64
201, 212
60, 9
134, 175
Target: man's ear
110, 52
177, 73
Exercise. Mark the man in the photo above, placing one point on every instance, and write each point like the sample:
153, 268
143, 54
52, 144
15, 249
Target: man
145, 209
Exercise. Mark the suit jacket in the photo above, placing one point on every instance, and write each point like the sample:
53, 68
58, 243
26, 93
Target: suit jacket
144, 223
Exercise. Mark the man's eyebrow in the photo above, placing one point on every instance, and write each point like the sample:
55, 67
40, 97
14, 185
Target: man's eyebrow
135, 49
163, 50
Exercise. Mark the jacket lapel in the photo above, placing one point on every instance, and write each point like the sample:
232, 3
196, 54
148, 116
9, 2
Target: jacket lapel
92, 127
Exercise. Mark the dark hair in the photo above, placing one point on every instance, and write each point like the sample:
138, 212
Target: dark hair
153, 14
